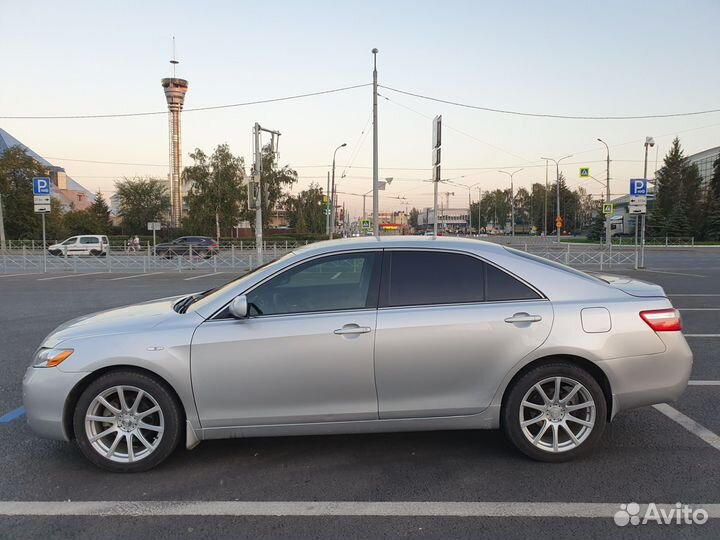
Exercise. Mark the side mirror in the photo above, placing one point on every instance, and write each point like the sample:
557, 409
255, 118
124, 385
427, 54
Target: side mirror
239, 307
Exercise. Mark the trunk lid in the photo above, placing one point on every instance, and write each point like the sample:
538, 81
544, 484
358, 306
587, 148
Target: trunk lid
631, 286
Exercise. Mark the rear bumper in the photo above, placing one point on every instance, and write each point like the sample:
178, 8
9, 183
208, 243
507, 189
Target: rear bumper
646, 380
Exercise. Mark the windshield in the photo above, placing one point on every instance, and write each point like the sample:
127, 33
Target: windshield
207, 297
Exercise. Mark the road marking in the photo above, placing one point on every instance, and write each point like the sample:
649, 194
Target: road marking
701, 335
203, 275
674, 273
691, 425
135, 275
69, 275
704, 383
23, 274
704, 294
698, 308
324, 508
12, 415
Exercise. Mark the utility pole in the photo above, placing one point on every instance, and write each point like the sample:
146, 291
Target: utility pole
376, 169
558, 218
608, 238
649, 142
546, 190
2, 226
327, 207
257, 187
479, 206
332, 197
512, 200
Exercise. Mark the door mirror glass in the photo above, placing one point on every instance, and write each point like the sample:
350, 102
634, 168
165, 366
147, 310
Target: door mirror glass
239, 307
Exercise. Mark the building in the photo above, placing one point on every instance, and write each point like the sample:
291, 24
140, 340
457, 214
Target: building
175, 90
449, 219
705, 161
70, 194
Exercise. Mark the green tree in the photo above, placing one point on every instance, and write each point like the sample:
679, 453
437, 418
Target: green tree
100, 213
677, 183
55, 222
712, 205
80, 222
273, 180
597, 225
17, 170
413, 217
305, 212
142, 200
214, 200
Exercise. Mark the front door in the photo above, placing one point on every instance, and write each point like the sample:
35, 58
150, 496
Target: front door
304, 354
450, 327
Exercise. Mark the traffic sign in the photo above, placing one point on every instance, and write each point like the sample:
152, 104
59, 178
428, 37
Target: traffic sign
637, 209
41, 185
607, 208
153, 226
365, 224
42, 199
584, 172
437, 131
42, 208
559, 222
638, 186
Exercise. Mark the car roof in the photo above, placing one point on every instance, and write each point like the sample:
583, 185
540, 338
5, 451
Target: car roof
413, 242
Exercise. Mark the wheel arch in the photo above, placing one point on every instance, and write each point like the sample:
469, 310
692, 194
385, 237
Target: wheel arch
591, 367
79, 388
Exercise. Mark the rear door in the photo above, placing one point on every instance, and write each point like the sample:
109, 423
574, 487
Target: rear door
449, 328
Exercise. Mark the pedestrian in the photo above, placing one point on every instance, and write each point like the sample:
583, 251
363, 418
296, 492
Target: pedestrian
136, 243
130, 246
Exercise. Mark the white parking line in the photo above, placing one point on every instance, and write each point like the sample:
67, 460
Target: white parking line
69, 275
673, 273
23, 274
135, 275
704, 383
203, 275
701, 335
691, 425
702, 295
325, 508
699, 308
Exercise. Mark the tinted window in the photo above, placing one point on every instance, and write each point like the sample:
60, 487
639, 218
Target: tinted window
426, 277
89, 240
331, 283
502, 286
70, 241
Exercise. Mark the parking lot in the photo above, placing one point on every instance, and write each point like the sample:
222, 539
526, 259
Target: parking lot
410, 485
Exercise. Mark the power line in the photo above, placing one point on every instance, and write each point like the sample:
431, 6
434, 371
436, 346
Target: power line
548, 115
194, 109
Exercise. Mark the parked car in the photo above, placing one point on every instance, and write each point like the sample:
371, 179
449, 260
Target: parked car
365, 335
200, 246
85, 244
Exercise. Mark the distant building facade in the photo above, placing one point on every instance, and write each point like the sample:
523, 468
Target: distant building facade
704, 161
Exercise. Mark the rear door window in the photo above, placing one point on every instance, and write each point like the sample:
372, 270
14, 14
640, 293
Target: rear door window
501, 286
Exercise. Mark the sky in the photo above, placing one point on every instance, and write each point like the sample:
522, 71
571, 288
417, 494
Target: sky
571, 58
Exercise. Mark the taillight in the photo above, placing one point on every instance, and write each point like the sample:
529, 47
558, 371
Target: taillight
663, 320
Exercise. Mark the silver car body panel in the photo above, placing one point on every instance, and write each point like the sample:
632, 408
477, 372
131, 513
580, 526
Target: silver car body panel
439, 367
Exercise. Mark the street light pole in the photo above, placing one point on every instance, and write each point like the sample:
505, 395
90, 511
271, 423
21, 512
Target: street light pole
479, 206
649, 142
557, 188
327, 207
332, 195
608, 238
512, 200
376, 171
546, 190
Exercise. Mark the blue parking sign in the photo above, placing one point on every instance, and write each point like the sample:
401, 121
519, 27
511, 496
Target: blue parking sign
41, 186
638, 186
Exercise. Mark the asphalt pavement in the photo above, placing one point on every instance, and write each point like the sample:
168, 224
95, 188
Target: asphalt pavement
409, 485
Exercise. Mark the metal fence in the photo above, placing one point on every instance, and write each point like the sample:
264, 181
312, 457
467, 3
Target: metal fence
243, 257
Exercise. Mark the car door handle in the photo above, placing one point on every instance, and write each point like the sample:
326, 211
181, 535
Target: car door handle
352, 329
523, 318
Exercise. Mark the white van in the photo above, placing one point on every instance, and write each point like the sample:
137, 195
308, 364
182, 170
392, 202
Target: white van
86, 244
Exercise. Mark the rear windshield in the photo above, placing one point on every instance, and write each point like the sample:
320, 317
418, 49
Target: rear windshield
553, 264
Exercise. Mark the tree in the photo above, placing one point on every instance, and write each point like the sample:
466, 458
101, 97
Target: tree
305, 212
597, 225
677, 182
214, 200
273, 180
712, 205
142, 200
100, 214
17, 170
413, 218
80, 222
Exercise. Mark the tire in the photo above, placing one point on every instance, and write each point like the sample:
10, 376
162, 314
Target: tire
55, 252
94, 252
152, 446
525, 403
203, 254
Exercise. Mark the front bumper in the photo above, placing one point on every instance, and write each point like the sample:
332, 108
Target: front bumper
655, 378
45, 392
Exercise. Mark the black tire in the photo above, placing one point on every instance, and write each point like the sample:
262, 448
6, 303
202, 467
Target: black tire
204, 254
55, 252
170, 417
95, 252
519, 436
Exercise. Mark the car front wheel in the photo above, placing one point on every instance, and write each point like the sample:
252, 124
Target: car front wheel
127, 421
555, 412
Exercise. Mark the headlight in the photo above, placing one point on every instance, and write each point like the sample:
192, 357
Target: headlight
51, 357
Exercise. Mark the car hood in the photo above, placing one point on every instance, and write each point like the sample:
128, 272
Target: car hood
122, 320
631, 286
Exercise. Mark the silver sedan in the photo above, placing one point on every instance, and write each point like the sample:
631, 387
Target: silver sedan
358, 336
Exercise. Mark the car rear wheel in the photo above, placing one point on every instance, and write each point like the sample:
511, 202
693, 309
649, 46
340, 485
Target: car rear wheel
555, 412
126, 421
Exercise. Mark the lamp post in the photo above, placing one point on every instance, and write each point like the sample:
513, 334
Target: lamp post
608, 239
512, 200
545, 207
557, 188
376, 167
649, 143
332, 194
